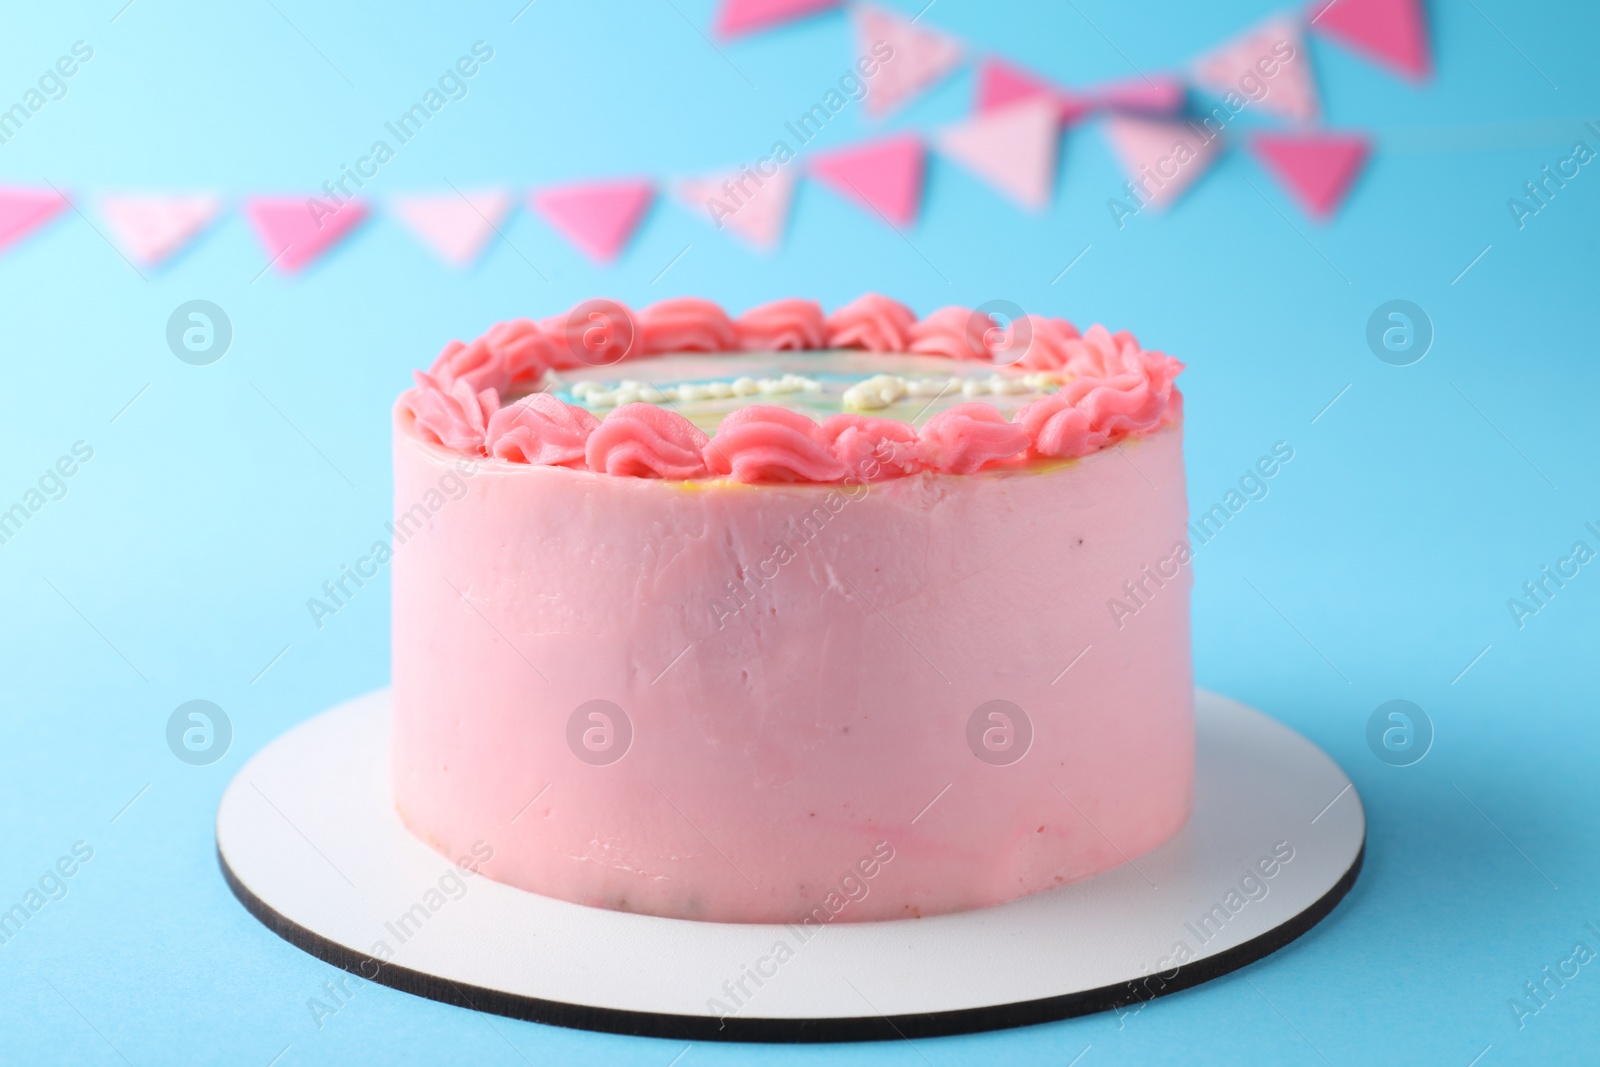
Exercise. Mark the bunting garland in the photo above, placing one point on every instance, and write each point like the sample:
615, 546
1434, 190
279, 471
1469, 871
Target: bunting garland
152, 228
1273, 56
753, 208
457, 226
294, 233
1317, 168
1393, 32
598, 217
1011, 141
912, 59
1013, 148
884, 176
24, 210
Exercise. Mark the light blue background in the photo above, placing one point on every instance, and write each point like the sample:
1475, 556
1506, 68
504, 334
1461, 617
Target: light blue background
1379, 566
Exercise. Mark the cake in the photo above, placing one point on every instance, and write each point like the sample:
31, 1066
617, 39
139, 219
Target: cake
792, 617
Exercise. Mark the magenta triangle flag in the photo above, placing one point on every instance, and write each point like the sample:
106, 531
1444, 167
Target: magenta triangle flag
1268, 67
1161, 157
753, 207
1001, 83
1392, 32
1318, 169
738, 17
151, 229
297, 231
1013, 148
23, 210
885, 176
910, 58
598, 217
456, 226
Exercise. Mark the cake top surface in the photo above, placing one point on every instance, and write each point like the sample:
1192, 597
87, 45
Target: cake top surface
705, 388
785, 393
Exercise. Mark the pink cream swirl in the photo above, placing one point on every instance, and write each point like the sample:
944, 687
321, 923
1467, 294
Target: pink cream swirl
511, 354
1121, 391
955, 333
644, 441
872, 322
782, 325
762, 443
541, 430
969, 437
455, 416
874, 449
471, 363
1045, 342
686, 324
595, 333
1112, 390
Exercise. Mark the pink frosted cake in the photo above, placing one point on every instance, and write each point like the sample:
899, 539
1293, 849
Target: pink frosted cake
792, 617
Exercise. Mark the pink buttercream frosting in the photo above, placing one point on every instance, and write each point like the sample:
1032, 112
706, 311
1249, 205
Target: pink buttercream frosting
800, 668
763, 443
874, 448
595, 333
540, 429
872, 322
644, 441
782, 325
1121, 391
953, 332
454, 415
969, 437
1112, 389
1035, 342
686, 324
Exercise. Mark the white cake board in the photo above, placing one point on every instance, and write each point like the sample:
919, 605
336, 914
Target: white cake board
310, 842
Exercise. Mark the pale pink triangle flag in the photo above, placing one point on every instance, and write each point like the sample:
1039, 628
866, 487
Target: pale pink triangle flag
598, 217
737, 17
1162, 157
296, 231
152, 228
1013, 148
1317, 168
884, 176
918, 58
455, 225
1001, 83
754, 207
24, 210
1393, 32
1241, 67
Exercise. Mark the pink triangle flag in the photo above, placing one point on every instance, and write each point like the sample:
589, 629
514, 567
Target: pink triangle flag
1317, 168
24, 210
884, 176
1393, 32
1162, 94
598, 217
1013, 148
296, 231
1162, 157
457, 226
917, 58
152, 228
755, 208
738, 17
1001, 83
1270, 59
